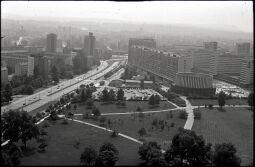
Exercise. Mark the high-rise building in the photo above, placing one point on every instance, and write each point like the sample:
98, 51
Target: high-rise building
89, 44
42, 63
4, 76
21, 69
51, 43
30, 67
247, 72
243, 49
212, 46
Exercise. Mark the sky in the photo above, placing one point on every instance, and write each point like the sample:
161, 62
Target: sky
238, 14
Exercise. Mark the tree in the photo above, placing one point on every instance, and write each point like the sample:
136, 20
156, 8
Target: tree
11, 154
108, 154
8, 92
151, 100
224, 155
95, 111
102, 120
156, 99
89, 92
36, 72
90, 103
142, 84
221, 99
83, 96
107, 158
28, 89
112, 95
250, 100
142, 132
120, 94
188, 148
89, 156
105, 96
19, 125
54, 73
151, 153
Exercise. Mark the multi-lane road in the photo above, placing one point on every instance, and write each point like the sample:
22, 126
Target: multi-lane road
36, 100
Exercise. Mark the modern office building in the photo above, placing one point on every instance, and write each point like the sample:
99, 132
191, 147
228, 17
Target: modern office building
247, 71
51, 43
4, 76
243, 49
21, 69
162, 64
193, 84
89, 44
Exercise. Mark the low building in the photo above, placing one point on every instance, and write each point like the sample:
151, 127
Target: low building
130, 83
189, 83
4, 76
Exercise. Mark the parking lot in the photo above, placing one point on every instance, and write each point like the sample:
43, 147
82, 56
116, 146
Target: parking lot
134, 93
227, 88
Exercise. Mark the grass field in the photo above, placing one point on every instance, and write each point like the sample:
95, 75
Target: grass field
131, 125
61, 150
130, 106
235, 126
202, 102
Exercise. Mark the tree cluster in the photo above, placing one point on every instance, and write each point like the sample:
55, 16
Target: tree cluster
106, 156
154, 100
189, 149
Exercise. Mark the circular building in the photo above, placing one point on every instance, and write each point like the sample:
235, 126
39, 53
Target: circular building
190, 83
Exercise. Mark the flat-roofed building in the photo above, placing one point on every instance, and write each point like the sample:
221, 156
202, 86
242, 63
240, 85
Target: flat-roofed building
162, 64
21, 69
243, 49
211, 46
247, 72
30, 66
4, 76
193, 83
228, 64
51, 43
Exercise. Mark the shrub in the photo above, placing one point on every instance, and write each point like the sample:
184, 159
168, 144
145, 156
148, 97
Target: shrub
64, 122
123, 104
39, 115
182, 114
197, 114
172, 124
114, 133
138, 108
210, 106
85, 116
76, 144
45, 125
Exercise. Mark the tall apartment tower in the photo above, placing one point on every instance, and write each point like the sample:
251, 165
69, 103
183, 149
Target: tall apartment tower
247, 71
212, 46
243, 49
51, 45
89, 44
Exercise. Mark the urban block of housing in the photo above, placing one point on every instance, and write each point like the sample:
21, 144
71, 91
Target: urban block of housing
192, 70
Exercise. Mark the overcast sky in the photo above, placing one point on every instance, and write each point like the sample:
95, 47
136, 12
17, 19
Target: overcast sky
237, 14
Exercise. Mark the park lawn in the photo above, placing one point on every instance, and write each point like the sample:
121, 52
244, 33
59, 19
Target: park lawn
130, 106
61, 150
131, 125
235, 126
202, 102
